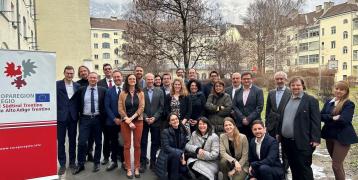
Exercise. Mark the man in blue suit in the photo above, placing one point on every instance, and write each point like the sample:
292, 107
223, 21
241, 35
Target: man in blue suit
113, 120
263, 155
67, 117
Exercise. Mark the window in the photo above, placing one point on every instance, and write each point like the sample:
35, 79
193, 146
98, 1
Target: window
296, 36
303, 60
322, 47
96, 56
95, 35
115, 33
333, 30
355, 55
303, 47
115, 41
344, 66
345, 35
2, 5
13, 12
333, 58
95, 45
313, 46
96, 66
296, 49
116, 62
345, 21
355, 40
314, 33
304, 34
105, 35
344, 77
333, 44
24, 27
322, 31
355, 24
106, 56
322, 62
345, 50
105, 45
313, 59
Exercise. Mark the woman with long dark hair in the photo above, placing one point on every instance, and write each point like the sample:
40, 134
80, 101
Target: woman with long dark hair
198, 101
338, 131
131, 106
204, 147
170, 162
234, 149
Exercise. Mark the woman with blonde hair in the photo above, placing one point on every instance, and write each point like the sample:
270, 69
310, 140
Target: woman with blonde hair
338, 131
178, 102
234, 149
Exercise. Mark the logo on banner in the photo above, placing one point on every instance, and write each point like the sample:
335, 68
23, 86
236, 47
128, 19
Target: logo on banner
20, 72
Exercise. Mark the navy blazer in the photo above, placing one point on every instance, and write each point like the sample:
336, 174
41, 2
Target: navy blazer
341, 129
80, 94
103, 83
66, 107
253, 107
268, 153
111, 106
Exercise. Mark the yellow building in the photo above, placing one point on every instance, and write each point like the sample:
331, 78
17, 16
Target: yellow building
17, 25
339, 38
106, 42
63, 27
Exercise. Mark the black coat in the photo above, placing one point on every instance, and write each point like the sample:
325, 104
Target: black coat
197, 105
341, 129
80, 94
185, 106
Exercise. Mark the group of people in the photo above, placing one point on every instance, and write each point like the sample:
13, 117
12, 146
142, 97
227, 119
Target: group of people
198, 130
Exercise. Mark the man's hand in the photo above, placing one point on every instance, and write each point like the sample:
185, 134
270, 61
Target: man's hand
314, 144
117, 121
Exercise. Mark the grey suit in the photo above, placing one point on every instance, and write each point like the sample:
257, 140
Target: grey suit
273, 113
153, 108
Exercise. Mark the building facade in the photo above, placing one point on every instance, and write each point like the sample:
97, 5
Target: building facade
17, 22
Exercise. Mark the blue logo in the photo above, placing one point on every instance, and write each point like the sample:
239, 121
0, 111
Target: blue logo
42, 97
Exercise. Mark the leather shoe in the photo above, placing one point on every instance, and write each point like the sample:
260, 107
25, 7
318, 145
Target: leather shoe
78, 170
136, 174
104, 161
61, 171
96, 168
111, 166
129, 176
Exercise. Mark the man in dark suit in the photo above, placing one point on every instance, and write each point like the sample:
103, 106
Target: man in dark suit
300, 130
167, 80
92, 113
235, 85
67, 117
106, 82
263, 155
113, 120
138, 72
275, 103
207, 88
153, 110
247, 104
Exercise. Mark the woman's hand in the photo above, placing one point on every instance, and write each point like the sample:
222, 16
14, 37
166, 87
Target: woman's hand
238, 166
336, 117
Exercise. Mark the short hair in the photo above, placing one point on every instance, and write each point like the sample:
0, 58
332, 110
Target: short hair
92, 73
221, 82
68, 68
298, 78
280, 73
179, 70
246, 73
198, 84
157, 75
149, 74
257, 122
167, 74
106, 64
208, 123
78, 72
192, 69
235, 73
115, 71
137, 66
212, 72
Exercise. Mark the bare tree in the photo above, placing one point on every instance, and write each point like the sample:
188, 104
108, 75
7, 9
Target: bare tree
177, 32
267, 20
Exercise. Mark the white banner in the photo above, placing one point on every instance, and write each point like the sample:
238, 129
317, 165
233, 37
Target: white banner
28, 86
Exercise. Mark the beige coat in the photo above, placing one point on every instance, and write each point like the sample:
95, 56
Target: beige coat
122, 106
241, 152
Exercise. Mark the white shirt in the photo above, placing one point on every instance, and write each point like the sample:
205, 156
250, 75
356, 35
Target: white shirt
258, 146
245, 94
69, 90
234, 90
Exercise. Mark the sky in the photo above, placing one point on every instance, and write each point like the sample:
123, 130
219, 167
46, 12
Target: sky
232, 10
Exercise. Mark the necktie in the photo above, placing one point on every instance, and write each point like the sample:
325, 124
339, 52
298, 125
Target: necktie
119, 91
110, 83
92, 101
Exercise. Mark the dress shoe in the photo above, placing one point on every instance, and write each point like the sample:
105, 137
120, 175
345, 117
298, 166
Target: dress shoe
143, 167
78, 170
129, 176
111, 166
96, 168
136, 174
72, 165
152, 165
104, 161
62, 170
90, 157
